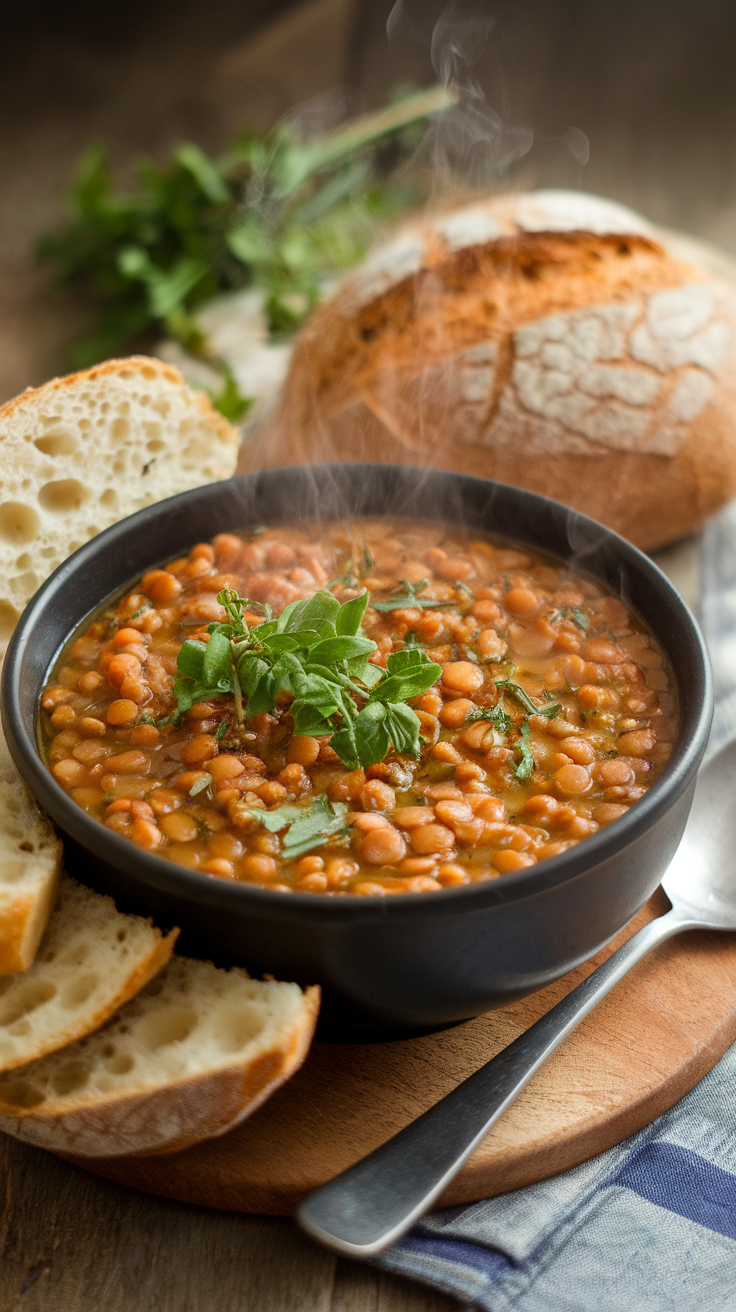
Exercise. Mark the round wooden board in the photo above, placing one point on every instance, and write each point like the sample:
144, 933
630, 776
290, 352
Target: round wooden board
645, 1046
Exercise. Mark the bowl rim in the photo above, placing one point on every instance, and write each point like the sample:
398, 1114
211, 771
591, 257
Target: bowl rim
175, 880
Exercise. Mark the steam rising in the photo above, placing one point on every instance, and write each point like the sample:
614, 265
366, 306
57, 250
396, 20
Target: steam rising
470, 144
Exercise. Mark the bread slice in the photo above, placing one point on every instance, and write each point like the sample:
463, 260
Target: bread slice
91, 960
83, 451
30, 864
190, 1057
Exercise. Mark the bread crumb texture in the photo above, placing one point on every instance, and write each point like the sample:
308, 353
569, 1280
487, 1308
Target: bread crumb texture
91, 960
30, 863
83, 451
191, 1056
547, 340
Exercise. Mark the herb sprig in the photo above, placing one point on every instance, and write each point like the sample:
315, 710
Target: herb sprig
305, 829
405, 597
274, 211
316, 652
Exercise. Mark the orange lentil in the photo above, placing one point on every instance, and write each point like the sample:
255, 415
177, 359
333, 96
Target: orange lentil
113, 688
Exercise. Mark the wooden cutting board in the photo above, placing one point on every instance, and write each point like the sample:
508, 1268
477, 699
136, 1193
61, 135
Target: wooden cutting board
645, 1046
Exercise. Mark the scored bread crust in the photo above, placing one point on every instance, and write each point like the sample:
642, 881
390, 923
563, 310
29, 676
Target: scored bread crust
551, 341
176, 1091
91, 960
30, 865
85, 450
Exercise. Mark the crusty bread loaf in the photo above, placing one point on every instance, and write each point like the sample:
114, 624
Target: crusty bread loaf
550, 340
30, 864
193, 1054
83, 451
91, 960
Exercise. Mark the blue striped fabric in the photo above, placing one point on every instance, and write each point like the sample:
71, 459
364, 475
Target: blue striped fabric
649, 1226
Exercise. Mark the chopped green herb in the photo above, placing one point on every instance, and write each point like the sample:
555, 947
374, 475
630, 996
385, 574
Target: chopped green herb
200, 784
202, 829
221, 730
306, 829
146, 719
549, 712
608, 756
578, 616
526, 765
404, 597
140, 611
496, 715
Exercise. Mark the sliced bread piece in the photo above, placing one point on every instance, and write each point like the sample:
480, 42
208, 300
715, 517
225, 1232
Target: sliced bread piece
30, 864
190, 1057
83, 451
91, 960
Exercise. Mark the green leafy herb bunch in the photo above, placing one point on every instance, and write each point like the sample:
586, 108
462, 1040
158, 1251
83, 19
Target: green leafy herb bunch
316, 652
272, 212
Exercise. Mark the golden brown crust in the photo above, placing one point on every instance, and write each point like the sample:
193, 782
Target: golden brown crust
167, 1119
148, 366
367, 380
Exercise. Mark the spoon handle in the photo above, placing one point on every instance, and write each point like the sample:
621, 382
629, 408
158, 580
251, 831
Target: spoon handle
373, 1203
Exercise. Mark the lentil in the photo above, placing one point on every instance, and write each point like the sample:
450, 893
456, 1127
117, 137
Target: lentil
474, 807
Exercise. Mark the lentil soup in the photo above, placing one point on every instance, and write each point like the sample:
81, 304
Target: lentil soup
493, 708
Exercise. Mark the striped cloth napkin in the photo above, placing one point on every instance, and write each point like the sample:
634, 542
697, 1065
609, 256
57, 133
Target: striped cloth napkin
650, 1225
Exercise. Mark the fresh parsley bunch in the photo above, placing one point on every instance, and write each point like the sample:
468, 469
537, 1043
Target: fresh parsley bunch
273, 212
316, 652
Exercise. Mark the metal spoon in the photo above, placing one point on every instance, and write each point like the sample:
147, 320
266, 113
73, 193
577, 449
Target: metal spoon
373, 1203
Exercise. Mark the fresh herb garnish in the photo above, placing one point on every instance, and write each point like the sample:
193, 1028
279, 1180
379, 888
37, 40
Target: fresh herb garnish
306, 829
199, 785
578, 616
404, 597
549, 712
274, 212
361, 565
314, 651
526, 765
146, 719
609, 756
140, 611
221, 730
496, 715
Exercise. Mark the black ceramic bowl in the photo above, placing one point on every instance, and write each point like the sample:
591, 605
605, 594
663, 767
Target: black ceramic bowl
413, 961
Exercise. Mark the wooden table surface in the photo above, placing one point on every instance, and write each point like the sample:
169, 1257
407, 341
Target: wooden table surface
73, 1243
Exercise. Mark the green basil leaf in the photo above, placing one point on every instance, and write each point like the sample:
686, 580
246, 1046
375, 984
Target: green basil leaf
253, 674
410, 683
365, 671
407, 659
278, 642
403, 726
331, 650
191, 658
371, 734
216, 663
278, 819
526, 765
344, 743
264, 630
310, 613
312, 720
313, 827
350, 615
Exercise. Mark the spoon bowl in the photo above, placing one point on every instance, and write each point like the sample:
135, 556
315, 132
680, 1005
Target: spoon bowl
701, 880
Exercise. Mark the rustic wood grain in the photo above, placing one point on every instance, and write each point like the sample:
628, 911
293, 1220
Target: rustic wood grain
70, 1242
646, 1045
